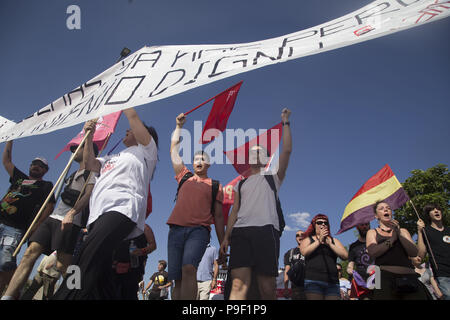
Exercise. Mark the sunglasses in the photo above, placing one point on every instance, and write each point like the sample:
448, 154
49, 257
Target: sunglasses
321, 223
298, 235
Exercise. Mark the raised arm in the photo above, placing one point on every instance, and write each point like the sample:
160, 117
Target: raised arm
287, 144
140, 132
177, 162
7, 158
89, 161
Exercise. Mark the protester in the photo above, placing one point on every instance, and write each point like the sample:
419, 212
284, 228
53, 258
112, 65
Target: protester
294, 265
46, 277
207, 273
439, 238
117, 207
427, 278
51, 234
256, 222
18, 208
127, 275
198, 205
358, 261
391, 246
321, 251
344, 284
161, 283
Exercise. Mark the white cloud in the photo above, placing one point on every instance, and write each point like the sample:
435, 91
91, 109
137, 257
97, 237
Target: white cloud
301, 220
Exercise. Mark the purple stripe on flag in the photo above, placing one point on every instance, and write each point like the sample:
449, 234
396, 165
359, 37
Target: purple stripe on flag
366, 214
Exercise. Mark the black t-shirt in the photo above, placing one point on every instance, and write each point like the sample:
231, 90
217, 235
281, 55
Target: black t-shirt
23, 200
293, 256
159, 278
440, 245
359, 255
321, 264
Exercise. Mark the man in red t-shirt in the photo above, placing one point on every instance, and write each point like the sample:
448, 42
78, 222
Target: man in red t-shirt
191, 218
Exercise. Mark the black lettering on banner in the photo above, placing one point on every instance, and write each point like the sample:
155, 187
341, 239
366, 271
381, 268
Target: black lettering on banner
374, 13
155, 60
402, 2
214, 72
45, 110
130, 86
79, 89
125, 67
177, 56
98, 82
261, 54
326, 32
200, 68
101, 97
183, 73
297, 38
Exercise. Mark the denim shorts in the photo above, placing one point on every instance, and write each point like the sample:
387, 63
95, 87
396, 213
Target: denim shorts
321, 287
9, 240
185, 246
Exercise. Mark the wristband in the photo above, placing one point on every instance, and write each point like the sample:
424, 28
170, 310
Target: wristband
286, 123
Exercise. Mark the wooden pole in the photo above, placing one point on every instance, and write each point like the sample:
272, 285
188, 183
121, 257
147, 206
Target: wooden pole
63, 174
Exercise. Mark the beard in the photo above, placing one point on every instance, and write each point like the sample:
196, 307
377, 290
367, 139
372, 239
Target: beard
362, 233
36, 174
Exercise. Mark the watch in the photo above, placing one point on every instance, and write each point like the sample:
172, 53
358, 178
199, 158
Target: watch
286, 123
388, 243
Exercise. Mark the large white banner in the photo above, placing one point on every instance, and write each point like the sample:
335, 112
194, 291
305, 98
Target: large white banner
154, 73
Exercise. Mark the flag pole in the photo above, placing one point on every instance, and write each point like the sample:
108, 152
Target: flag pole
200, 105
63, 174
425, 236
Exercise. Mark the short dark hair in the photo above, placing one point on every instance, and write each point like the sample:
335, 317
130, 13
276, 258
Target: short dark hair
203, 154
152, 132
428, 208
163, 262
376, 205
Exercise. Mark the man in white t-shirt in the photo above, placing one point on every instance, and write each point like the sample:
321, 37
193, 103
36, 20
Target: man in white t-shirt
50, 236
117, 207
253, 229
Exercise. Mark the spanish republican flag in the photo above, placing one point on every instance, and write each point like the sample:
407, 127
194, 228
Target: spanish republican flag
382, 186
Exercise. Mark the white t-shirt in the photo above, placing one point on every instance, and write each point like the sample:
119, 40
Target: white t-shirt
77, 184
258, 206
123, 184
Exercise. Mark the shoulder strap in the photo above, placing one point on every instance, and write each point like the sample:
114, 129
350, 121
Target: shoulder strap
239, 189
215, 191
281, 222
186, 176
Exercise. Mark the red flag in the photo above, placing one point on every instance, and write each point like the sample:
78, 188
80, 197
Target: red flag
220, 112
270, 140
105, 126
228, 197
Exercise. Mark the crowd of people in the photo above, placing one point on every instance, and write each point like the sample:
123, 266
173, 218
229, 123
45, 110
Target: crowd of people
99, 226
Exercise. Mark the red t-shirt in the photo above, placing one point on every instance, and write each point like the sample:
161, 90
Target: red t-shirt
193, 206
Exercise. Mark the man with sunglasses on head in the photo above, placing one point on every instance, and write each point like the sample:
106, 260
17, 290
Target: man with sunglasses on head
18, 208
61, 230
294, 270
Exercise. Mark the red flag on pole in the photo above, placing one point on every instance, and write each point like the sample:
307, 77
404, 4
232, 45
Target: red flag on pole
105, 126
220, 112
239, 157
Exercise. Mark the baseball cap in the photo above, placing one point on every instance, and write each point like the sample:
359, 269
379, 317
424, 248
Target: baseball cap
43, 160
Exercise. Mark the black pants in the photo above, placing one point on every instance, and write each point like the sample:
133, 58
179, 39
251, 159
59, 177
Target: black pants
95, 259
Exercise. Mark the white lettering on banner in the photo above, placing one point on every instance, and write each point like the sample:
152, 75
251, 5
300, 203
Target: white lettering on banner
154, 73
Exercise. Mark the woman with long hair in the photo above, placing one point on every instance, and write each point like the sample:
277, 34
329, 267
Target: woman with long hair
321, 251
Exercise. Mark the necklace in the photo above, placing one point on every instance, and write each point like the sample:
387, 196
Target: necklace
389, 230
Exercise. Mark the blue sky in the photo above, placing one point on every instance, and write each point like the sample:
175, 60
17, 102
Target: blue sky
354, 109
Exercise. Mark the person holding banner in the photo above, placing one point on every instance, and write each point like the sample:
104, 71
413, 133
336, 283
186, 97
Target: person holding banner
55, 233
198, 205
256, 222
439, 237
117, 208
18, 208
391, 247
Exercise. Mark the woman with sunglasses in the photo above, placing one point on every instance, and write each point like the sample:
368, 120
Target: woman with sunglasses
391, 247
321, 251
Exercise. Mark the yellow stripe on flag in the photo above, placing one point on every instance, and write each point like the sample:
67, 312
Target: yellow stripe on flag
380, 192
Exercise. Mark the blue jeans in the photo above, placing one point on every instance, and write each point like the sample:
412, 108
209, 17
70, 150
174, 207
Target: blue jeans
324, 288
444, 286
9, 240
185, 246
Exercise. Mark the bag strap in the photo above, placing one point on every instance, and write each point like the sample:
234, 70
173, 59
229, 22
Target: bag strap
215, 191
239, 190
183, 180
281, 221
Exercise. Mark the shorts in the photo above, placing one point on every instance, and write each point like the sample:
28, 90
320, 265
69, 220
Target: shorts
51, 238
321, 287
257, 248
9, 240
185, 246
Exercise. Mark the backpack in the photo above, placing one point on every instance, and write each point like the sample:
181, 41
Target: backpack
271, 182
296, 273
215, 189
